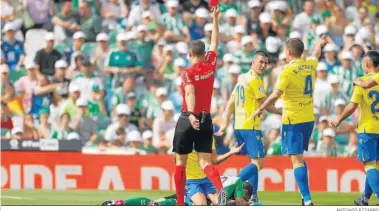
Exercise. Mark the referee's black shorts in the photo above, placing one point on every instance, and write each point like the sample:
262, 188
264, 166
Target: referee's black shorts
186, 138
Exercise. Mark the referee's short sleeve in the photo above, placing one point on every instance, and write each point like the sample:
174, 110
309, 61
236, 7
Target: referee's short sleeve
187, 79
211, 58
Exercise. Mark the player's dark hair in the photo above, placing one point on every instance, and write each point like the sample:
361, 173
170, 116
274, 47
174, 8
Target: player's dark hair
247, 190
296, 46
374, 57
197, 47
261, 53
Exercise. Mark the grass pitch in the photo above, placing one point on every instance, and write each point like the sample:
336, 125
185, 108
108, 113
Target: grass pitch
94, 197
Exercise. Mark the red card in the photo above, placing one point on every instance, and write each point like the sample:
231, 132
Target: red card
213, 3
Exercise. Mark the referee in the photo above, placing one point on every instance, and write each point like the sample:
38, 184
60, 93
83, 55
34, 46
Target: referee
194, 130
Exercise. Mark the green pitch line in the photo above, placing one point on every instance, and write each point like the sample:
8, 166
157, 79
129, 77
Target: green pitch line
90, 197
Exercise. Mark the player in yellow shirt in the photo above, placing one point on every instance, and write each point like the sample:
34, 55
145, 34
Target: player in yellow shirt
295, 86
198, 187
368, 127
248, 94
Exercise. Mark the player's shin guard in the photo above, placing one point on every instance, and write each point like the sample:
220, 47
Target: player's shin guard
250, 173
373, 178
214, 176
180, 182
301, 176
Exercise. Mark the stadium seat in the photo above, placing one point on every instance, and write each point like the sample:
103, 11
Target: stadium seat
15, 75
34, 41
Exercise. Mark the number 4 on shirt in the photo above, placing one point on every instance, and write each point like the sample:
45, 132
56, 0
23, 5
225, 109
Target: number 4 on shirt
308, 86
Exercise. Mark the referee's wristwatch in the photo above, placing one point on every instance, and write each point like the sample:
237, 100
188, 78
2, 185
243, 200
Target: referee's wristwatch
190, 113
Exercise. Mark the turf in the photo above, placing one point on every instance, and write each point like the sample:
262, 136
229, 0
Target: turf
90, 197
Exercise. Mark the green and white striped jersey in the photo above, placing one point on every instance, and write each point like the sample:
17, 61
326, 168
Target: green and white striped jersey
346, 78
174, 24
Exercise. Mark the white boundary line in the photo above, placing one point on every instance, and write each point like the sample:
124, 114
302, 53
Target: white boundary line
15, 197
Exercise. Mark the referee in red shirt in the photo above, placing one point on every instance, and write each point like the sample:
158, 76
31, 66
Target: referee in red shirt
194, 129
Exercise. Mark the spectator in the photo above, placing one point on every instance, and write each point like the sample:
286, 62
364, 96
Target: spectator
86, 78
176, 96
322, 86
27, 83
216, 98
158, 53
330, 60
99, 55
344, 131
196, 25
266, 27
348, 37
302, 21
136, 117
363, 14
84, 125
176, 29
336, 24
112, 11
123, 114
143, 48
346, 73
246, 55
47, 57
70, 54
43, 94
275, 144
39, 12
69, 106
135, 143
119, 68
326, 146
357, 50
66, 20
228, 83
162, 124
96, 106
228, 29
147, 137
14, 100
323, 123
252, 20
154, 108
43, 124
120, 140
233, 46
62, 131
192, 5
6, 121
120, 95
12, 48
166, 69
135, 16
351, 12
6, 87
332, 96
223, 71
90, 23
17, 133
60, 78
29, 129
226, 5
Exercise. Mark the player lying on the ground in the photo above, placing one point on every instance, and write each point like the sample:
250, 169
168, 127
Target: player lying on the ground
239, 193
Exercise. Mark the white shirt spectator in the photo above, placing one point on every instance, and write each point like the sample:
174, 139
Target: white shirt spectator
110, 133
302, 23
161, 126
135, 16
86, 84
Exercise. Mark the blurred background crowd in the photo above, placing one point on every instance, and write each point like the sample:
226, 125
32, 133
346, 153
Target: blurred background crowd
106, 72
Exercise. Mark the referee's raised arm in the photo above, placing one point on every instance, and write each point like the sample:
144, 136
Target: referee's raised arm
215, 29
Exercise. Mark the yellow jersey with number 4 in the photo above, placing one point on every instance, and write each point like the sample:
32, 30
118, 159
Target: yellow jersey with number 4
368, 102
247, 92
297, 81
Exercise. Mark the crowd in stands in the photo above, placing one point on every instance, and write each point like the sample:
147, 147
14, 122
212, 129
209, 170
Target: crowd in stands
107, 72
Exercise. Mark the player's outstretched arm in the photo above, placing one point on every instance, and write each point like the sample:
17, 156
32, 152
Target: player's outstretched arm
217, 159
227, 115
319, 44
215, 29
274, 96
349, 110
